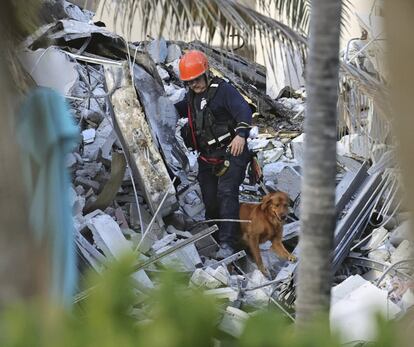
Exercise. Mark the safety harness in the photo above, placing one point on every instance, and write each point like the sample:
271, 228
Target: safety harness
210, 136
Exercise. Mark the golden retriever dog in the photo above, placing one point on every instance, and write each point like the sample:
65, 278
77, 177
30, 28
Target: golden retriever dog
267, 220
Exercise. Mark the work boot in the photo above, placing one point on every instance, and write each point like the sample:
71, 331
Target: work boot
225, 251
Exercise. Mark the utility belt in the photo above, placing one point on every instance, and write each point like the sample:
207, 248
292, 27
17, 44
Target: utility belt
214, 149
219, 163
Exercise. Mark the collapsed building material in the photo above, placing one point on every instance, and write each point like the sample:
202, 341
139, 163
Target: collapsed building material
233, 321
353, 309
132, 99
109, 239
176, 247
134, 133
228, 260
162, 117
51, 68
356, 219
107, 195
376, 265
351, 224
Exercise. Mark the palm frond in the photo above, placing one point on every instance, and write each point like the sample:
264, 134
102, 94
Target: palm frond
200, 19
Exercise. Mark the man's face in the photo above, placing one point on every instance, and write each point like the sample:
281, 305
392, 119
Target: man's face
198, 85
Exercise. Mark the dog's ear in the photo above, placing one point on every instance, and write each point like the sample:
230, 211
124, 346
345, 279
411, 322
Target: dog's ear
267, 200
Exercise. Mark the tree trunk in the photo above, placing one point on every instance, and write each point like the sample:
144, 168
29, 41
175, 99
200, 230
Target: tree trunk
318, 187
22, 265
399, 26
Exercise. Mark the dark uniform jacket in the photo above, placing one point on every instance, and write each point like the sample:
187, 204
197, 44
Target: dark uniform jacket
227, 106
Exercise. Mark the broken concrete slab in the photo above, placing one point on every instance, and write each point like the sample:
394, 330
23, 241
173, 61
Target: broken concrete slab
50, 68
87, 183
166, 240
271, 155
377, 238
162, 117
291, 230
404, 251
271, 171
348, 163
201, 278
259, 297
220, 273
401, 233
191, 200
121, 219
174, 93
174, 65
157, 230
158, 51
133, 131
353, 316
298, 145
185, 259
164, 75
223, 293
289, 181
407, 300
174, 53
104, 130
258, 144
109, 238
381, 255
233, 321
88, 135
346, 287
89, 170
354, 146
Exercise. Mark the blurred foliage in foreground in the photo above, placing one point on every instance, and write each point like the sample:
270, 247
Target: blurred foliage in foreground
175, 316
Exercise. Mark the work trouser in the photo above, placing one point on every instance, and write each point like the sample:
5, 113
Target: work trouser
221, 195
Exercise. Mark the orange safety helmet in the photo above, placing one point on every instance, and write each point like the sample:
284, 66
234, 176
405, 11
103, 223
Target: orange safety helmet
193, 64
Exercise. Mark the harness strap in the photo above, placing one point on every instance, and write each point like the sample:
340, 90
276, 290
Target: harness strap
213, 161
190, 122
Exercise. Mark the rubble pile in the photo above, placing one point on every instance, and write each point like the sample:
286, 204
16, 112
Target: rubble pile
122, 97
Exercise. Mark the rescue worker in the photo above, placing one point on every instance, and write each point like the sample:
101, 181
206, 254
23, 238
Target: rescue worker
219, 121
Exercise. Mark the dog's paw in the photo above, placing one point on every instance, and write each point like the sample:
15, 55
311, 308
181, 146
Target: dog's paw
292, 258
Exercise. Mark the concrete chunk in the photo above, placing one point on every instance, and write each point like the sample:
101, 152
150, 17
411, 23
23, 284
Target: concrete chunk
88, 135
134, 132
353, 316
404, 251
258, 297
378, 236
157, 49
298, 145
223, 293
401, 233
271, 156
163, 73
233, 321
202, 278
174, 53
164, 242
289, 181
109, 238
